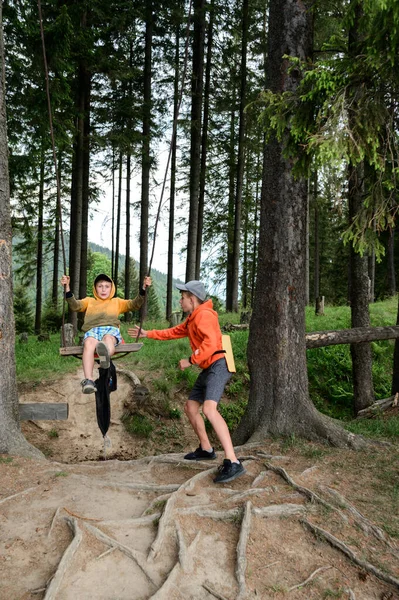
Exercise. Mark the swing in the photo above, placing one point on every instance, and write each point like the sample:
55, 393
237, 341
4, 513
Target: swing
123, 348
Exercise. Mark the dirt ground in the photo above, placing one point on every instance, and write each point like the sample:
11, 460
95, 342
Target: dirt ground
305, 522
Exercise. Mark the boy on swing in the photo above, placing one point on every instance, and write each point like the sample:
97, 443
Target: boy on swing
203, 330
101, 323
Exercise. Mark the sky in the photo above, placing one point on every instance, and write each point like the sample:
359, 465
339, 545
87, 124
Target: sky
100, 229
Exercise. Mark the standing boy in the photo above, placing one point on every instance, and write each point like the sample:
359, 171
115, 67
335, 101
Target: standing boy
101, 323
203, 330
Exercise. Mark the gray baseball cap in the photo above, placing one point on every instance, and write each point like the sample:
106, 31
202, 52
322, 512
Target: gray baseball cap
194, 287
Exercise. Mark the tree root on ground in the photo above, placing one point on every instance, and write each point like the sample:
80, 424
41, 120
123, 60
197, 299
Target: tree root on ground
366, 526
52, 590
167, 515
213, 592
336, 543
242, 551
310, 578
129, 375
135, 555
312, 496
185, 564
17, 494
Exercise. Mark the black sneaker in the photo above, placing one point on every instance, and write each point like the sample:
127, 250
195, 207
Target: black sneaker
229, 471
200, 454
88, 386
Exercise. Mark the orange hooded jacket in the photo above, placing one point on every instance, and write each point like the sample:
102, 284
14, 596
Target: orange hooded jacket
103, 313
202, 329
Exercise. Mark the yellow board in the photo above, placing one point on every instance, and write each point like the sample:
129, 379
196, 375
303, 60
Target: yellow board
226, 343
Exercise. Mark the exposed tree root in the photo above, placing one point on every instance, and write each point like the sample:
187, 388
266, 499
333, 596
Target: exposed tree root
53, 520
136, 556
185, 564
136, 522
238, 496
17, 494
310, 578
303, 490
213, 592
167, 516
156, 503
336, 543
242, 552
280, 510
366, 526
52, 590
273, 456
259, 478
109, 551
208, 513
129, 375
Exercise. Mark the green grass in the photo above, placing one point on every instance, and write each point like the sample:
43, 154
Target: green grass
329, 369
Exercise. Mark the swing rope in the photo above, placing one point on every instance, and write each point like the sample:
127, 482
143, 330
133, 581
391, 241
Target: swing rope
172, 142
59, 208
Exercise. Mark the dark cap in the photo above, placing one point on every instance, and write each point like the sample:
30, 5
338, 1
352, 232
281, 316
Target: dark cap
102, 277
194, 287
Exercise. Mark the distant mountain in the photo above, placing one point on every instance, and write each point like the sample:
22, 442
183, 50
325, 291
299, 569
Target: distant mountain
159, 279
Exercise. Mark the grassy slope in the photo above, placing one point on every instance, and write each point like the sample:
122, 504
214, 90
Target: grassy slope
330, 379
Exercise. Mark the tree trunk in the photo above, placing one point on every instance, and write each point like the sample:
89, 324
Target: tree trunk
240, 159
195, 134
39, 251
204, 142
11, 439
230, 211
279, 401
127, 248
363, 392
56, 247
76, 218
169, 288
391, 262
86, 80
118, 223
146, 158
395, 374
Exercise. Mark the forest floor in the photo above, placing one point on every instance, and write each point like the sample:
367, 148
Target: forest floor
306, 521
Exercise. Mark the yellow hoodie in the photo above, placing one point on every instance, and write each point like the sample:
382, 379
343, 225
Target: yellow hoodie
103, 313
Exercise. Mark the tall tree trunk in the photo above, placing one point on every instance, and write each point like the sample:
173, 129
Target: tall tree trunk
118, 223
316, 272
391, 262
240, 159
11, 439
169, 288
76, 217
195, 143
85, 187
255, 238
56, 247
146, 158
113, 216
279, 401
363, 393
39, 250
230, 210
127, 248
245, 277
204, 141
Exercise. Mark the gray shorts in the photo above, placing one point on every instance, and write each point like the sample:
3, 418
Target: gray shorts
210, 382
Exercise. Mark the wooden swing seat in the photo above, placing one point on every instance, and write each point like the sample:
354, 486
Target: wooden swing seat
120, 349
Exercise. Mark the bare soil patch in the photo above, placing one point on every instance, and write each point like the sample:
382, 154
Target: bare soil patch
305, 521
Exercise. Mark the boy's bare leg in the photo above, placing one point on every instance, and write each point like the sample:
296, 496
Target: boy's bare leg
89, 348
210, 409
192, 410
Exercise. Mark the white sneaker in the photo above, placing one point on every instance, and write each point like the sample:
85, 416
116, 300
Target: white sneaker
103, 355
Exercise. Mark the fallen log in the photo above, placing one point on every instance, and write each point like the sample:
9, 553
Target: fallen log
356, 335
378, 407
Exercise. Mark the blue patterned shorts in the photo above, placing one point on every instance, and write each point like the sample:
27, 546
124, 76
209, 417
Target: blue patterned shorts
99, 332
